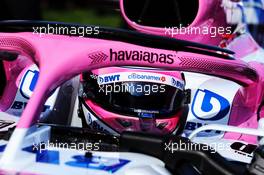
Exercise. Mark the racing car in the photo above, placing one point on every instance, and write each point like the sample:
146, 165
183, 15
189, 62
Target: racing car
51, 149
209, 103
208, 15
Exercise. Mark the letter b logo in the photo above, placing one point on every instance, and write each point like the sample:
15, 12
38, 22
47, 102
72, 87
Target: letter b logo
28, 83
208, 105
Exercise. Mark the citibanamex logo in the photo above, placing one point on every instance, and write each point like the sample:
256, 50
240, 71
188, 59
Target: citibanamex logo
163, 79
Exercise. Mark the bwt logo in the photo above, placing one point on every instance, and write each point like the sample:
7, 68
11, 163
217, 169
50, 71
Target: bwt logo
108, 79
177, 83
208, 105
28, 83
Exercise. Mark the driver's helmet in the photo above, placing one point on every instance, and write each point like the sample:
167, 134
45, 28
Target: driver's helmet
118, 99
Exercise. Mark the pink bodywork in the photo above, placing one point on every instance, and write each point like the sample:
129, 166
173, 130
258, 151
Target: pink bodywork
62, 57
13, 72
210, 14
245, 107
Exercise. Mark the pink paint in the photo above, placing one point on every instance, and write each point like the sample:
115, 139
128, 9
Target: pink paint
13, 72
210, 14
62, 57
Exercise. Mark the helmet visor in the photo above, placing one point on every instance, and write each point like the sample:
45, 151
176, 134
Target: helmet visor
136, 98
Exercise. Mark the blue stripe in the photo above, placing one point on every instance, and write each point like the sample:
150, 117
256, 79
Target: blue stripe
44, 156
98, 163
2, 148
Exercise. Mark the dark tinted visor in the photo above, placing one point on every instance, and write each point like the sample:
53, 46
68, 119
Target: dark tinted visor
146, 99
